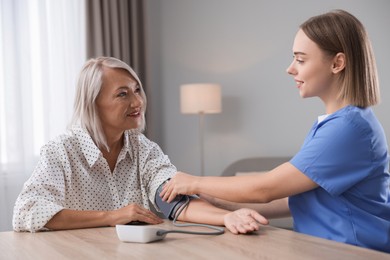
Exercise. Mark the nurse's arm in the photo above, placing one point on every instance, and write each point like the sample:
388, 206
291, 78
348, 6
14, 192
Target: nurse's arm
283, 181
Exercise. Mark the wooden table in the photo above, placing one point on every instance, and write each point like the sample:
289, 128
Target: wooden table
103, 243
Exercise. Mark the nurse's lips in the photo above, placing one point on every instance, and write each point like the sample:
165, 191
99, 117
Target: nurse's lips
299, 83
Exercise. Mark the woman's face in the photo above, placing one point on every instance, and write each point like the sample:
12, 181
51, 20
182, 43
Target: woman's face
311, 68
119, 103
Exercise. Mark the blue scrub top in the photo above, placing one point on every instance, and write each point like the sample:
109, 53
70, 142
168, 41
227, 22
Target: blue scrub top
346, 155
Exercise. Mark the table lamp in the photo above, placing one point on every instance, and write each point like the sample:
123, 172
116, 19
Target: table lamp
200, 99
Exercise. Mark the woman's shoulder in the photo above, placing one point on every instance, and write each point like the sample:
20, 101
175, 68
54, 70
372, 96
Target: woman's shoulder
68, 139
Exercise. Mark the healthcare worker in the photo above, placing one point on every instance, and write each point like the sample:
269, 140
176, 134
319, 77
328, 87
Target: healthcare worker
337, 186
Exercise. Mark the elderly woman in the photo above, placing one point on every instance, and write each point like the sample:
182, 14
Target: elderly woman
104, 171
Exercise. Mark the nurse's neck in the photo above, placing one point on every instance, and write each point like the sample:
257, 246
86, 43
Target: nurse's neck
335, 105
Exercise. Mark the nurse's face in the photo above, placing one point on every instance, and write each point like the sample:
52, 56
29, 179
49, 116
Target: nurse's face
311, 68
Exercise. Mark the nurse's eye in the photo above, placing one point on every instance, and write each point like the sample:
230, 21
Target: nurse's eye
298, 59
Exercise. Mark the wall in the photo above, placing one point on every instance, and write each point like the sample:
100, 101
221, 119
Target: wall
10, 187
245, 46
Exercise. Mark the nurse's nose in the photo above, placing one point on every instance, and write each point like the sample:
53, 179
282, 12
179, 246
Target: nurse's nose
291, 70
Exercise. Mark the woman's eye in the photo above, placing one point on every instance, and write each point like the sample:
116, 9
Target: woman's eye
122, 94
137, 90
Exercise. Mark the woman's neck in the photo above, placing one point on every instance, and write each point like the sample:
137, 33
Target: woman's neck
115, 144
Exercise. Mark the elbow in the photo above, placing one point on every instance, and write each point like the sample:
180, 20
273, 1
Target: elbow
25, 223
22, 227
18, 224
263, 196
264, 199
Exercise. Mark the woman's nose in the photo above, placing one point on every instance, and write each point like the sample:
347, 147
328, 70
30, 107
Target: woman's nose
136, 100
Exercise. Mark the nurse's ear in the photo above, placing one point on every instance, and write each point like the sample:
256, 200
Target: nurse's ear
339, 63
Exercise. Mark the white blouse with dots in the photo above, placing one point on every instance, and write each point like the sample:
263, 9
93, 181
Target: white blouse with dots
72, 174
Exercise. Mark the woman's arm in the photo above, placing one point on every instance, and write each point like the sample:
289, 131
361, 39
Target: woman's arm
283, 181
274, 209
73, 219
198, 211
239, 221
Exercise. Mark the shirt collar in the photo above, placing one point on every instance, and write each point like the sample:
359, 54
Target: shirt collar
127, 144
130, 142
92, 153
87, 146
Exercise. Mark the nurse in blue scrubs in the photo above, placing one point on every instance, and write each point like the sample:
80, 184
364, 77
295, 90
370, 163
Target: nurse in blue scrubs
337, 186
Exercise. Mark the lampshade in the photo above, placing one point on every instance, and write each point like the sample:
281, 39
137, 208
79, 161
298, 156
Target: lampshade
200, 98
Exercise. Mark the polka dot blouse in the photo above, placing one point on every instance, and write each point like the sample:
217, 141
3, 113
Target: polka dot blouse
73, 174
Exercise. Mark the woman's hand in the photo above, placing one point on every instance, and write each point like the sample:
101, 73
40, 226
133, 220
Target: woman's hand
244, 221
181, 183
133, 212
72, 219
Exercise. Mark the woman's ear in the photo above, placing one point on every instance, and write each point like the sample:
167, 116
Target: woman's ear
338, 63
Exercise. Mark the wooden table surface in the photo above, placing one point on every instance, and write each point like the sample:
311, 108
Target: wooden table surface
103, 243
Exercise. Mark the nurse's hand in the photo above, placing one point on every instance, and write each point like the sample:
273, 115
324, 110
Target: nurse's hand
181, 183
244, 221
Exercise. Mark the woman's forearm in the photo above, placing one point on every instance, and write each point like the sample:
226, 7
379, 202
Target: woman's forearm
274, 209
200, 211
73, 219
239, 221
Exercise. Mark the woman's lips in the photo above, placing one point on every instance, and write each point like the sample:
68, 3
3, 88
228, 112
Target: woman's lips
134, 114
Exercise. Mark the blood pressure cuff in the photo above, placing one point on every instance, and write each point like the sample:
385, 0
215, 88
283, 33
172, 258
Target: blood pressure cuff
169, 209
